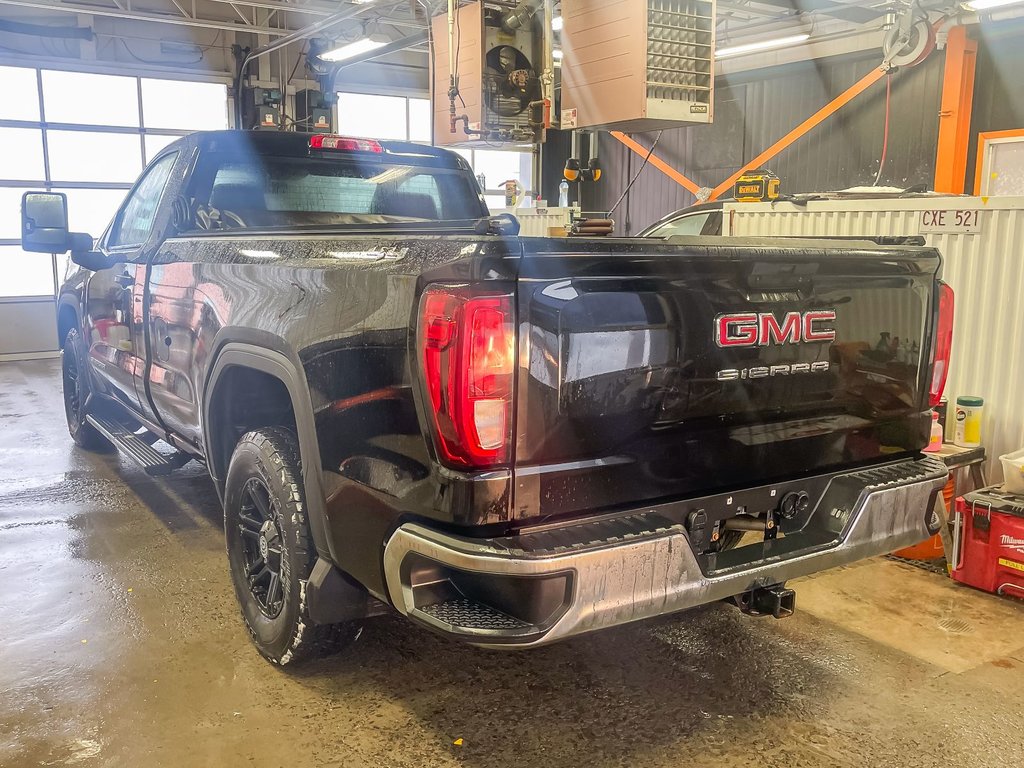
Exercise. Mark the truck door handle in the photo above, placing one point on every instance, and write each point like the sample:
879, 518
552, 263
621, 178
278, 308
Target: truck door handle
124, 280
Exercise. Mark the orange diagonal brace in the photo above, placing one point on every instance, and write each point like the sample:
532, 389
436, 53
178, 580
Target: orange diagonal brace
657, 162
955, 112
822, 114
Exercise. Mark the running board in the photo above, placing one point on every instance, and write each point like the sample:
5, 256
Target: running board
136, 447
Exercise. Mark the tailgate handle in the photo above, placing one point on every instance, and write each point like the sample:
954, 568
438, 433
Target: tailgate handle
773, 277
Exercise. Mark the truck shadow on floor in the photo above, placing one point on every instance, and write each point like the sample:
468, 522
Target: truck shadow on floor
688, 682
188, 503
609, 698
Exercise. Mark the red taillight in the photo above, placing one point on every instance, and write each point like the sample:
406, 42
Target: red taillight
467, 348
343, 143
943, 345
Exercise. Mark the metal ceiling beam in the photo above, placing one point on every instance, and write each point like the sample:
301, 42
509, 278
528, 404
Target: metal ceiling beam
120, 10
158, 18
848, 12
301, 34
350, 12
392, 47
312, 9
308, 8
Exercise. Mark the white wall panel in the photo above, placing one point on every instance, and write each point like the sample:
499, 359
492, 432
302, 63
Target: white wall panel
29, 327
986, 271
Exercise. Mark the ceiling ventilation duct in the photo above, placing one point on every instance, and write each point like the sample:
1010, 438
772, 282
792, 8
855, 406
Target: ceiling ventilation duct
637, 65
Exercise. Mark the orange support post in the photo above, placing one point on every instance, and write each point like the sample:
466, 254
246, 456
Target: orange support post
813, 121
955, 112
657, 162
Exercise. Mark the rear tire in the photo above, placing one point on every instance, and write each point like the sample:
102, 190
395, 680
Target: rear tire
730, 540
270, 549
75, 376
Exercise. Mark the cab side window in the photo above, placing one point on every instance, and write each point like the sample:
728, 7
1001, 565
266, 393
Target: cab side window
416, 197
684, 225
138, 215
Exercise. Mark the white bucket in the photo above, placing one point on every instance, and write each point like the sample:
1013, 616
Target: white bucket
1013, 471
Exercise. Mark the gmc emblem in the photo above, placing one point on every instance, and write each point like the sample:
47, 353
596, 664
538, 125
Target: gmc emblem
762, 329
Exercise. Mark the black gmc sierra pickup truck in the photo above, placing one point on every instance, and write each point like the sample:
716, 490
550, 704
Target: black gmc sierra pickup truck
508, 440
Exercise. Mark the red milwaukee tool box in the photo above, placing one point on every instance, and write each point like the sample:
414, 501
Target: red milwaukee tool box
991, 553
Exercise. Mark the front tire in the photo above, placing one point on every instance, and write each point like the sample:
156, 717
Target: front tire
270, 549
75, 377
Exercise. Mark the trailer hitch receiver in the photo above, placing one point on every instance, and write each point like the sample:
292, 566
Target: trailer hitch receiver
776, 600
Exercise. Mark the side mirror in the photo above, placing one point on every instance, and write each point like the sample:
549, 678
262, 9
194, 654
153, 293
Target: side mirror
91, 260
504, 224
44, 222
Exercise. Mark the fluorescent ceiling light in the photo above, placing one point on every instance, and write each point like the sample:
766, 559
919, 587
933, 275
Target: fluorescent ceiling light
556, 23
557, 54
984, 5
761, 45
357, 48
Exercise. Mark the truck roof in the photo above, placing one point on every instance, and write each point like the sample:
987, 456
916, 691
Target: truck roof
297, 143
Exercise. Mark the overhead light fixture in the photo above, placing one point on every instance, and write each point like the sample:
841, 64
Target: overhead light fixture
179, 47
557, 54
986, 5
356, 48
556, 23
761, 45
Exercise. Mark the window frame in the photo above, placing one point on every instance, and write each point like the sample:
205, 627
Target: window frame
42, 126
666, 229
527, 168
114, 230
712, 221
204, 169
408, 113
987, 142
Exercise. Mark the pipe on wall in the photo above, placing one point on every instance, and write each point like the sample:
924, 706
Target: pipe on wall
291, 37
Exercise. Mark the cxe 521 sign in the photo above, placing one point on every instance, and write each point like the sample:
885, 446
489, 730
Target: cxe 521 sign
957, 221
764, 329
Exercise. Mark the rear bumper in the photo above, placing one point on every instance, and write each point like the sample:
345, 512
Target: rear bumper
519, 592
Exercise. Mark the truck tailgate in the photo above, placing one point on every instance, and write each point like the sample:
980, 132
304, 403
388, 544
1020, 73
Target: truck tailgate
650, 371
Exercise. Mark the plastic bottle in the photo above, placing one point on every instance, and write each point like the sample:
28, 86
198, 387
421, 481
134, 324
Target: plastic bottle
563, 194
935, 441
969, 412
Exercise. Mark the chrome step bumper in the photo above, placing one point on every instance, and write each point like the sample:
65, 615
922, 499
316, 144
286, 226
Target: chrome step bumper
509, 594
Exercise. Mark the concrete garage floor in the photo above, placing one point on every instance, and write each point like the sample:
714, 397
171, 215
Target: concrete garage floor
120, 646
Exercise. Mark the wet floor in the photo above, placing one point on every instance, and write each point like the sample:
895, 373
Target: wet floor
120, 645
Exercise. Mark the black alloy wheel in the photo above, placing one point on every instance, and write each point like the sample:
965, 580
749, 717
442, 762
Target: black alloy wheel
270, 549
260, 530
74, 378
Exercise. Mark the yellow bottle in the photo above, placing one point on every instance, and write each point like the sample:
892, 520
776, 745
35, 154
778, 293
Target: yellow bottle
969, 411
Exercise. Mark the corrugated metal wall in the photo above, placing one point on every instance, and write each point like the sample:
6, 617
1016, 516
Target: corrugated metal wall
986, 271
754, 110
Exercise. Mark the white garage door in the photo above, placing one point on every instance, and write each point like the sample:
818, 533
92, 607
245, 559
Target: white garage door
87, 135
